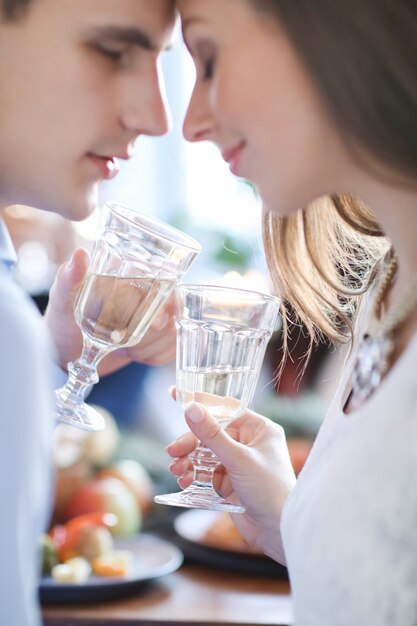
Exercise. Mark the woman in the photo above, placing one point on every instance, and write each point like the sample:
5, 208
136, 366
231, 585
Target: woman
315, 103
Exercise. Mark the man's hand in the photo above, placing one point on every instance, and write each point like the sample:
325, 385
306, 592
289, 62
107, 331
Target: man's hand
157, 347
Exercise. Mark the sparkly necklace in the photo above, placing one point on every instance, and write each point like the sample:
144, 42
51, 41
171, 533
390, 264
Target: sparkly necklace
377, 344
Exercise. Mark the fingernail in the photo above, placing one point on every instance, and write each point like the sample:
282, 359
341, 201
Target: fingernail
173, 462
70, 265
194, 412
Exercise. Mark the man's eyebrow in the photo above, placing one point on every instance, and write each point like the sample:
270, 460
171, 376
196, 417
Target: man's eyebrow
123, 34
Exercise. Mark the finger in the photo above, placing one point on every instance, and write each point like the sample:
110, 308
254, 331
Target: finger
186, 479
153, 333
70, 277
207, 429
182, 446
159, 351
161, 321
164, 318
222, 483
179, 466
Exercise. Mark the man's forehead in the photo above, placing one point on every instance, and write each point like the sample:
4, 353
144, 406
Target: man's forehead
154, 19
148, 11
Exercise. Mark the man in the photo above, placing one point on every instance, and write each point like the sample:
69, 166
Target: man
79, 82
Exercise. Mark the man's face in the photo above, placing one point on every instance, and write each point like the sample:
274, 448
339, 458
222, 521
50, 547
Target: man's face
79, 82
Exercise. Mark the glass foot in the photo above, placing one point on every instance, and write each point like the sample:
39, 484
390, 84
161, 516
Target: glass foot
79, 415
199, 498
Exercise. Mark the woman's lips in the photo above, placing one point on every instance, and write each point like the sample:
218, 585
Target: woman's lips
232, 156
107, 166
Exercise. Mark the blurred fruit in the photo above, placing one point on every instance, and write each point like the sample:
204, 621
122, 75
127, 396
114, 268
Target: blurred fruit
76, 453
74, 571
94, 542
107, 495
100, 446
72, 469
69, 538
135, 477
299, 449
116, 563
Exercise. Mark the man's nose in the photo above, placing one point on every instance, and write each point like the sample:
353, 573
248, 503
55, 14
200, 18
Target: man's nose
145, 108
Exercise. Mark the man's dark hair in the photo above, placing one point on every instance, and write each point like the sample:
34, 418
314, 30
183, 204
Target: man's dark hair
12, 9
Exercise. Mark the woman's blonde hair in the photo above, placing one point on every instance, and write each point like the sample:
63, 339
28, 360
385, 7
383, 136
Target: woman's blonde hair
321, 260
361, 56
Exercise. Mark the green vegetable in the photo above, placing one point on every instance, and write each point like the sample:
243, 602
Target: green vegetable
49, 555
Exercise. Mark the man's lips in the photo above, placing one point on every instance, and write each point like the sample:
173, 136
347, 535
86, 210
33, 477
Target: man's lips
232, 156
108, 166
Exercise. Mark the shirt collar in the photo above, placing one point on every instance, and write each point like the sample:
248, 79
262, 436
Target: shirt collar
7, 251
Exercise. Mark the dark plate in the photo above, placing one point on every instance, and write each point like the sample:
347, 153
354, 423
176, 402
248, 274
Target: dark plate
153, 557
191, 527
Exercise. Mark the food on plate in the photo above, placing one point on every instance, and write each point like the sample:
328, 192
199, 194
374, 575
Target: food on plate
95, 541
135, 477
106, 495
115, 563
223, 534
101, 446
84, 545
76, 454
74, 571
89, 479
49, 554
70, 539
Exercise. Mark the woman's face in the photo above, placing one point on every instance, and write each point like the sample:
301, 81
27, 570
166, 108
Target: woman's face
253, 98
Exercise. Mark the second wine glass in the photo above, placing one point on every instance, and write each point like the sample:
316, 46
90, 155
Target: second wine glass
136, 263
222, 334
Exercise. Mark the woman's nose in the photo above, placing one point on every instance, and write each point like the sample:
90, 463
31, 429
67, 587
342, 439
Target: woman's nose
198, 121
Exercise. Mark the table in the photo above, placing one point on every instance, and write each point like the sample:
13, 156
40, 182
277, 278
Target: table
194, 595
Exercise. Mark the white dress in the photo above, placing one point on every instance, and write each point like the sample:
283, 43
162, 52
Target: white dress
350, 525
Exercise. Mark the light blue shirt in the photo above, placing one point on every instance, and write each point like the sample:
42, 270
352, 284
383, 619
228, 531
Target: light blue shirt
7, 252
26, 427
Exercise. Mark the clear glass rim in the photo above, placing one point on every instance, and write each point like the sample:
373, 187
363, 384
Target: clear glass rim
199, 287
173, 235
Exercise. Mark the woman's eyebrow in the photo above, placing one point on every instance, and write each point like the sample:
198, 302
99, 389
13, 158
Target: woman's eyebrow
188, 21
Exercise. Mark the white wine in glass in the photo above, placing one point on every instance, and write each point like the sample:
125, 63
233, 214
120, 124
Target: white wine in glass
136, 263
222, 334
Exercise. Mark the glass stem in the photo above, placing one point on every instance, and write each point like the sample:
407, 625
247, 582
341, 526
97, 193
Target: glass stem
205, 463
82, 373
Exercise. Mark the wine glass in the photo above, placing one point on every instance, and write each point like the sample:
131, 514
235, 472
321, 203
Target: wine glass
136, 263
222, 334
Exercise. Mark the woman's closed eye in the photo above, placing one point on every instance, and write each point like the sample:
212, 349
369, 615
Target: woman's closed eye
205, 57
208, 69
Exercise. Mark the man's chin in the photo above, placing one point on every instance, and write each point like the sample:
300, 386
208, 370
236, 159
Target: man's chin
81, 207
73, 204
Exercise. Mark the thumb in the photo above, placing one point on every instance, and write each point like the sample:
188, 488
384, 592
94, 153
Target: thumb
70, 277
76, 269
208, 430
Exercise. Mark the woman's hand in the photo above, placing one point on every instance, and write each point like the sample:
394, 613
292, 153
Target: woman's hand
157, 347
256, 469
